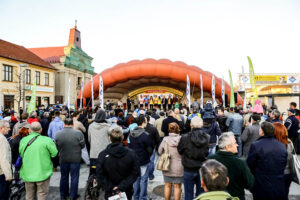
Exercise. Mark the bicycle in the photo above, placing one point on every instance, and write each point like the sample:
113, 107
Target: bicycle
92, 189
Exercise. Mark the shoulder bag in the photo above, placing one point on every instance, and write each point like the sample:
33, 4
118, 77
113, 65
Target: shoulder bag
19, 159
164, 160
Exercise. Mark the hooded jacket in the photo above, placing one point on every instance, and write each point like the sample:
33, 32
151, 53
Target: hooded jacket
213, 130
55, 126
193, 147
98, 134
250, 135
141, 143
176, 168
117, 166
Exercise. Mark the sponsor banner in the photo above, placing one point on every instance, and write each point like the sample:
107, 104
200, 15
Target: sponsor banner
39, 88
295, 89
293, 79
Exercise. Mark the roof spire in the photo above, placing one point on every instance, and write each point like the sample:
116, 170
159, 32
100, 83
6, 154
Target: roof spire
75, 23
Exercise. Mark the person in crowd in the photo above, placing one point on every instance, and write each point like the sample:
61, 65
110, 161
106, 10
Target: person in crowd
128, 118
13, 119
20, 124
117, 166
195, 105
158, 124
45, 123
146, 101
159, 102
136, 103
250, 134
164, 103
214, 180
170, 103
5, 161
128, 102
221, 119
165, 124
79, 126
151, 102
179, 117
193, 147
293, 105
1, 113
174, 176
235, 124
141, 143
56, 125
37, 166
238, 172
281, 134
267, 160
84, 120
292, 125
69, 142
275, 116
98, 136
153, 133
32, 117
155, 115
15, 142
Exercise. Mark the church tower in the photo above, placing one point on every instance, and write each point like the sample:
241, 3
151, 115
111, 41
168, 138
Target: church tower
74, 36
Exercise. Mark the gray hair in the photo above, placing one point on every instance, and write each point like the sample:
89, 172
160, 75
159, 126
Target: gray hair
33, 114
115, 132
46, 114
35, 126
197, 122
276, 113
3, 123
225, 140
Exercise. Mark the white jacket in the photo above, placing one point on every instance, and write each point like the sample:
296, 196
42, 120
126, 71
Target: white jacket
5, 158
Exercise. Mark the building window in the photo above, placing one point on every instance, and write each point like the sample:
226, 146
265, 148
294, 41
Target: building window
38, 78
7, 73
28, 76
46, 79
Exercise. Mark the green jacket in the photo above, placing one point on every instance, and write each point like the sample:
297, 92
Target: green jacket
239, 174
216, 195
37, 165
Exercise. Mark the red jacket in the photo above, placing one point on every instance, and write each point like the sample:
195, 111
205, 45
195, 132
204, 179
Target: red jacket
30, 120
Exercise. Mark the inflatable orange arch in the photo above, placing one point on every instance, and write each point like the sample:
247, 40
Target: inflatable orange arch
150, 68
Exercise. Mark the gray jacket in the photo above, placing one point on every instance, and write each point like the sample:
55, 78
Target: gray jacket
250, 135
69, 144
5, 158
235, 123
98, 138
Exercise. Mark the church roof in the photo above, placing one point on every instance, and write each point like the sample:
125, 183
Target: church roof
20, 53
49, 54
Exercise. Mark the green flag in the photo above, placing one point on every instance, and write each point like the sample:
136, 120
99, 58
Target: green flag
32, 103
232, 104
252, 79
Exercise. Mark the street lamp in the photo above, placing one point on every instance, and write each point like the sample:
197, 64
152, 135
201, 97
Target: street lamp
23, 66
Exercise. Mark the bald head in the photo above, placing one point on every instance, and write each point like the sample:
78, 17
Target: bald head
36, 127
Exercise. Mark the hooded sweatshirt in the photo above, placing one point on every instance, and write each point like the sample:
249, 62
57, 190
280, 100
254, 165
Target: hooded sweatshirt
98, 134
193, 147
176, 168
55, 126
141, 143
117, 166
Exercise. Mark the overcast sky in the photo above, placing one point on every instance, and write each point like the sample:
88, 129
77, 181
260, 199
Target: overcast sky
215, 35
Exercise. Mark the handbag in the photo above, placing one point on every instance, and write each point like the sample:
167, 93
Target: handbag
295, 167
19, 162
163, 163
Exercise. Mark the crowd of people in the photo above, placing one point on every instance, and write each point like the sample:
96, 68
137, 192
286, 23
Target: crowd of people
215, 153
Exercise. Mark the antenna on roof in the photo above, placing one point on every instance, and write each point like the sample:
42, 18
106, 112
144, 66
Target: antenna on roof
75, 23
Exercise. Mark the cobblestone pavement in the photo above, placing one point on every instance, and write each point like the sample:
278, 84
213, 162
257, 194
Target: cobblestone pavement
155, 186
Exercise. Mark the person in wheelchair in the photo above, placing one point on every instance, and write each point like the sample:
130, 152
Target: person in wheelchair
117, 166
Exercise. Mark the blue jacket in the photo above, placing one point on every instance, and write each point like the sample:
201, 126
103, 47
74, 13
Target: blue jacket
55, 126
141, 143
235, 123
267, 160
213, 130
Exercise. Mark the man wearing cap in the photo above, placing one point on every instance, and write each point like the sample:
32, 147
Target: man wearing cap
250, 134
292, 125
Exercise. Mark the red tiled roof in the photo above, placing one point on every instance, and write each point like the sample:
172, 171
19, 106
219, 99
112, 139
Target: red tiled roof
20, 53
49, 54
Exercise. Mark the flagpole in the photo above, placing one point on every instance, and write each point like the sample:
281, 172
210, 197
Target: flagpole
188, 95
213, 91
92, 88
82, 83
201, 88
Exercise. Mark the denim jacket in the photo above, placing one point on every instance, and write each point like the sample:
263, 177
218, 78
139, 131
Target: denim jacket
235, 123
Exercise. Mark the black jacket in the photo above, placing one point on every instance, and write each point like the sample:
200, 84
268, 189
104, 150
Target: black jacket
141, 142
117, 166
222, 123
193, 147
14, 145
152, 130
267, 160
45, 125
213, 130
166, 122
